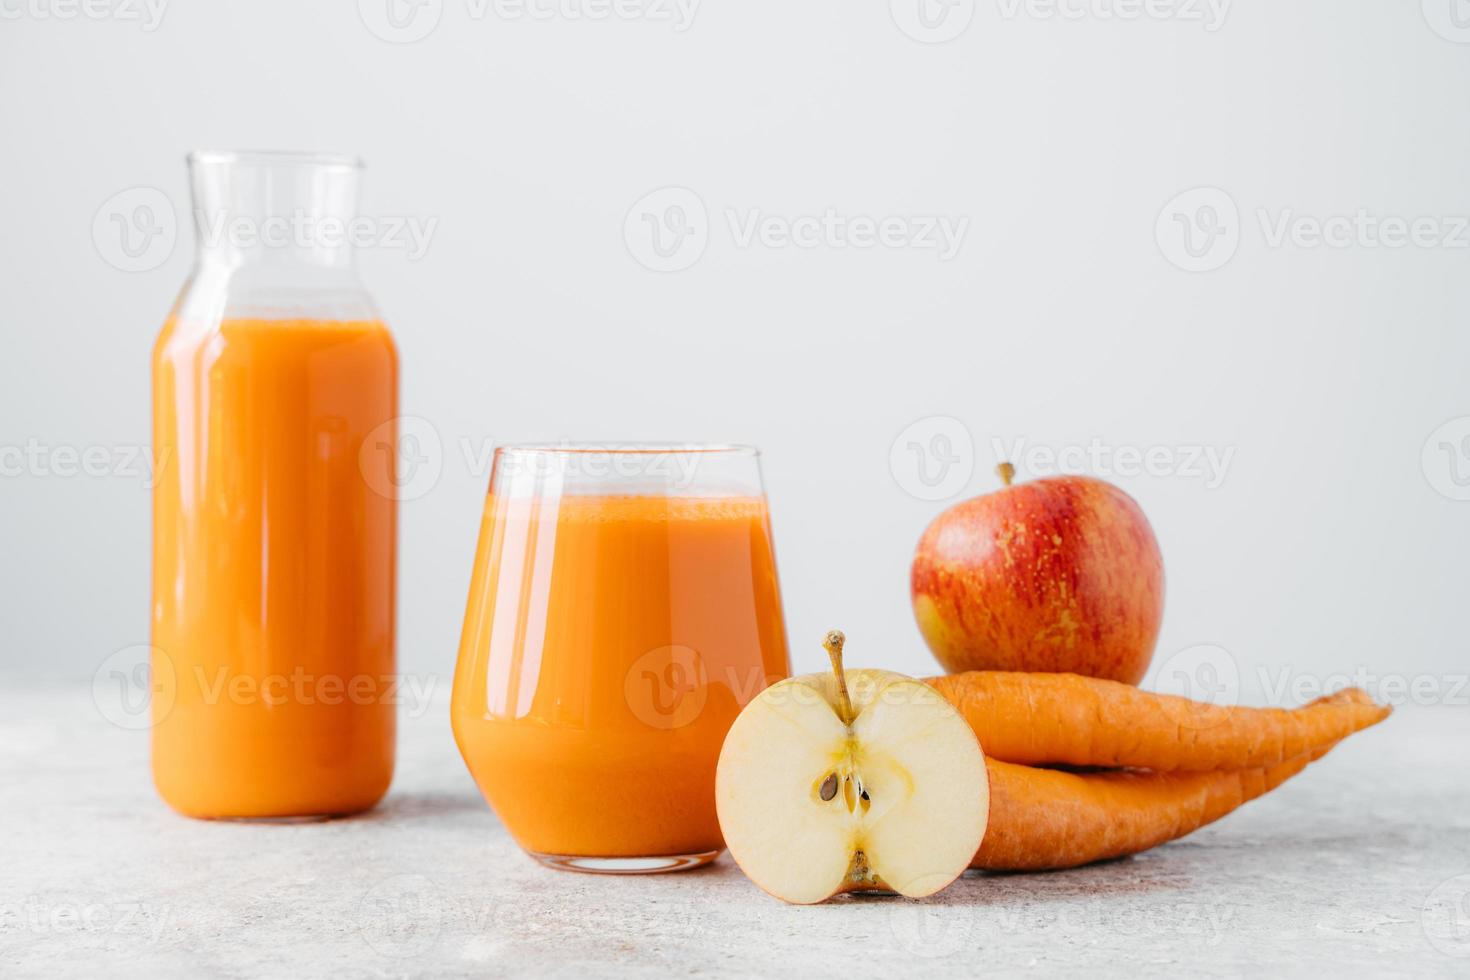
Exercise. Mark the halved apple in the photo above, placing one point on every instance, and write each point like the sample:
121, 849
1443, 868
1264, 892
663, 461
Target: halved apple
823, 789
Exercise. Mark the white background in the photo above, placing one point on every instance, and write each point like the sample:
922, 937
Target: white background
1332, 544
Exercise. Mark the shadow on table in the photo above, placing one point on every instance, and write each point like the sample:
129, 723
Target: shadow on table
1119, 877
418, 806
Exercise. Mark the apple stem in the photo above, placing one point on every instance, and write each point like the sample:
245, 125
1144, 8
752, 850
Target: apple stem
1007, 472
833, 643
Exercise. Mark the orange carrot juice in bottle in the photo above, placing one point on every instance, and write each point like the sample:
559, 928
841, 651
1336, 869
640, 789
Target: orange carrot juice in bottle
274, 401
623, 607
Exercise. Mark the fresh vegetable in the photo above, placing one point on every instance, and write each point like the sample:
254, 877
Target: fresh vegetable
1067, 719
1046, 818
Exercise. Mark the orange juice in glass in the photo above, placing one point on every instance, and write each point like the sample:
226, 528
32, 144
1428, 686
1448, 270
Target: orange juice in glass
623, 607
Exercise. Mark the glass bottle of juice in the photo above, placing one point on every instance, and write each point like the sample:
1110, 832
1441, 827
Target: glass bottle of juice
274, 413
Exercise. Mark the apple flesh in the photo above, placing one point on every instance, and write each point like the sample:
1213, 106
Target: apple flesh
1061, 574
823, 789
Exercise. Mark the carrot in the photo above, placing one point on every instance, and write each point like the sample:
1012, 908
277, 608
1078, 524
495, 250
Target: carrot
1067, 719
1044, 818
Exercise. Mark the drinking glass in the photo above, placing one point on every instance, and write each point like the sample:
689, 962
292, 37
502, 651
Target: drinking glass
623, 608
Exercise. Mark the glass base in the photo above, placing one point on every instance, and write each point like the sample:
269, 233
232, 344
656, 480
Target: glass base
626, 865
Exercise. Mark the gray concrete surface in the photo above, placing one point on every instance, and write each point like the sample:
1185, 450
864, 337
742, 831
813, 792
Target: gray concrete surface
1359, 866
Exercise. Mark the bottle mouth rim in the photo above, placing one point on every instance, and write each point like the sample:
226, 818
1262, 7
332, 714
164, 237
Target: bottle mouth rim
278, 158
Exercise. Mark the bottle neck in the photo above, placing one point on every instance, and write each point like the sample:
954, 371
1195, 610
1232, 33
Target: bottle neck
284, 216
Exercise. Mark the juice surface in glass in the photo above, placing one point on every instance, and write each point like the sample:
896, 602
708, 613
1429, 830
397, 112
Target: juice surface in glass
273, 582
609, 642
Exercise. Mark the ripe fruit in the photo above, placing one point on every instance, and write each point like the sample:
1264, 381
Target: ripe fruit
1061, 574
823, 789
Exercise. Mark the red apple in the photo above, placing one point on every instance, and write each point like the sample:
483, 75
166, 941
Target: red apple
1061, 574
